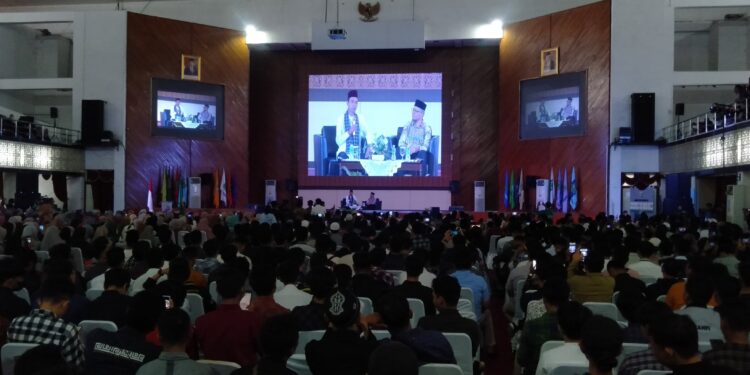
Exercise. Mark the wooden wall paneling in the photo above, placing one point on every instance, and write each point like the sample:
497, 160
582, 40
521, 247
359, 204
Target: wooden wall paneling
154, 49
583, 46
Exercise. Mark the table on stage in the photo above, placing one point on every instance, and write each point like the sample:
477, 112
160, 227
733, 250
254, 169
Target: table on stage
367, 167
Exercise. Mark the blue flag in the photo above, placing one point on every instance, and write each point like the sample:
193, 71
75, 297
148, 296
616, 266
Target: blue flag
558, 196
551, 193
505, 191
565, 192
573, 191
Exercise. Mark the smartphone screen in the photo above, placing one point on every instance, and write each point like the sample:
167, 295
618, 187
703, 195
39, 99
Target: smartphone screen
533, 265
245, 301
167, 301
584, 251
572, 247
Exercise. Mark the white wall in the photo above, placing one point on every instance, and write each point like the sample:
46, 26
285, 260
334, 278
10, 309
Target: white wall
289, 21
691, 51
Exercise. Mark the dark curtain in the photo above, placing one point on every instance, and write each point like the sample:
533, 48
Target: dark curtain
102, 188
60, 187
641, 180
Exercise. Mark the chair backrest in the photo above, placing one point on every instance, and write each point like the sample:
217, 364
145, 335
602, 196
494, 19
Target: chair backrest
653, 372
417, 310
398, 276
434, 149
77, 258
493, 243
662, 298
569, 370
86, 326
181, 238
305, 337
204, 237
605, 309
518, 312
10, 352
194, 304
614, 297
647, 279
381, 334
440, 369
220, 367
23, 294
365, 306
465, 305
298, 364
41, 257
461, 344
467, 293
93, 294
704, 346
214, 292
551, 344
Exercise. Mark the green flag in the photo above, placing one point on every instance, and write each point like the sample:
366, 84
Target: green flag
512, 195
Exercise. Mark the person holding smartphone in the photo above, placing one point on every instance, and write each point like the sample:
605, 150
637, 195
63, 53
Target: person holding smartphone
591, 285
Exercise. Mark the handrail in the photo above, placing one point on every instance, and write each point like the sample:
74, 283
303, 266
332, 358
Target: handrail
40, 133
719, 117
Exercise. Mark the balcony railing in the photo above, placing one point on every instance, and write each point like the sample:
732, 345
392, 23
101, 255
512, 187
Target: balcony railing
719, 118
23, 131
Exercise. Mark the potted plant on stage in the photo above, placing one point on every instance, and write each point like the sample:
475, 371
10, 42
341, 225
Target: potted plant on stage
379, 148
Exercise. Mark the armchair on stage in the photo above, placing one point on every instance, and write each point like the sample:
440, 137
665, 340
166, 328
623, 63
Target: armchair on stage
327, 162
375, 207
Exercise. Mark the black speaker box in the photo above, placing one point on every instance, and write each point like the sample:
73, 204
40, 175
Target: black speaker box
679, 109
53, 112
454, 186
642, 107
92, 121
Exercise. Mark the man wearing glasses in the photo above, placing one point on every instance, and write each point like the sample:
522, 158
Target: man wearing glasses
416, 136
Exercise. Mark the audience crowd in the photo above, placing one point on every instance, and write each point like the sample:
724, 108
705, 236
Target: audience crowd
294, 290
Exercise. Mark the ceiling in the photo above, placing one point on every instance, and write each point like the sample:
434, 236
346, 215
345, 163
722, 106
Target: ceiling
699, 19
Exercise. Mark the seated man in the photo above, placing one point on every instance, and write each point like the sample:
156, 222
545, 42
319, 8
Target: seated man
312, 317
446, 293
698, 291
412, 288
174, 334
429, 346
45, 325
290, 296
415, 138
346, 345
229, 333
263, 281
601, 343
735, 325
571, 318
278, 339
674, 342
648, 314
590, 285
11, 279
124, 351
115, 258
350, 201
537, 331
112, 305
371, 201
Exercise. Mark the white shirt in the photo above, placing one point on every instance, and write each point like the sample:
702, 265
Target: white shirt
290, 297
137, 285
569, 354
97, 283
318, 210
706, 320
646, 268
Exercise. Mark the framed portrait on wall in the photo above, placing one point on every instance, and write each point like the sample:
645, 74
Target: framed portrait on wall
191, 67
549, 61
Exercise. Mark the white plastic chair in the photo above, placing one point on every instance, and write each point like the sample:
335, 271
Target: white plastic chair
398, 276
365, 306
466, 308
10, 352
569, 370
605, 309
41, 257
381, 334
440, 369
76, 256
662, 298
614, 297
653, 372
647, 279
551, 344
86, 326
417, 310
461, 344
194, 304
467, 293
23, 294
704, 346
305, 337
180, 238
221, 367
214, 292
204, 237
518, 313
93, 294
298, 364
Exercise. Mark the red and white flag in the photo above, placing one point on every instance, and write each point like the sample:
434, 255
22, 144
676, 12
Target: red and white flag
150, 199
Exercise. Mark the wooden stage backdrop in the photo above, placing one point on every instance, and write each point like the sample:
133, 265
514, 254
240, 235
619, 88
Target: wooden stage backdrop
583, 36
154, 49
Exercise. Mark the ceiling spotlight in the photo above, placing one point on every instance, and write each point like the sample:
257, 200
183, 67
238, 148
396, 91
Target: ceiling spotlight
492, 30
255, 36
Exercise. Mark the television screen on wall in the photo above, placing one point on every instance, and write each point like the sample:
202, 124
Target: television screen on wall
187, 109
553, 106
375, 125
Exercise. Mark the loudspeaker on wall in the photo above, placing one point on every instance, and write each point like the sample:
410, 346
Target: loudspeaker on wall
92, 121
642, 107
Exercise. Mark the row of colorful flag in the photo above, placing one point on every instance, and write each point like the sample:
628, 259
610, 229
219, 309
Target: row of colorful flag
173, 187
563, 196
